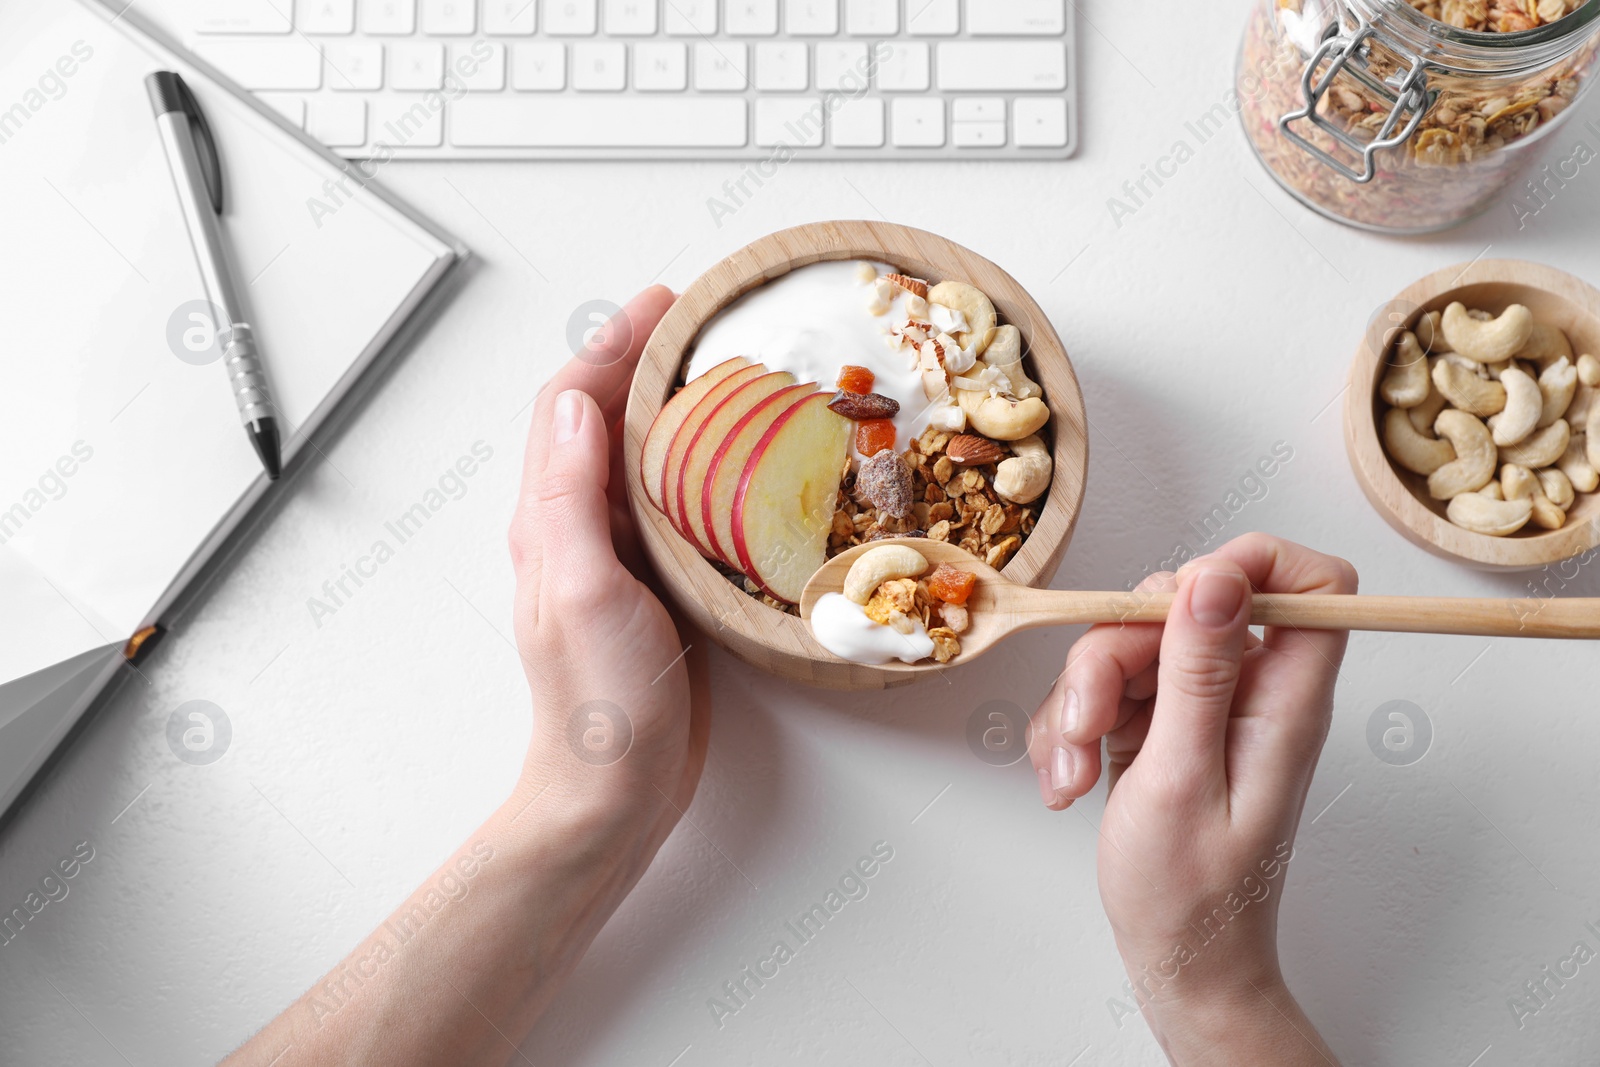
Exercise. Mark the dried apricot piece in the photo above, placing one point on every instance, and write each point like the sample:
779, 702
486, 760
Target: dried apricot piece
951, 584
874, 435
855, 379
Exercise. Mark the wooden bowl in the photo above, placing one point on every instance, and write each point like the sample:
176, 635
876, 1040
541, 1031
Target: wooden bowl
1400, 496
762, 636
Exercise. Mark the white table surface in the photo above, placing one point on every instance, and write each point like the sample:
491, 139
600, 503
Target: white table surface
1215, 322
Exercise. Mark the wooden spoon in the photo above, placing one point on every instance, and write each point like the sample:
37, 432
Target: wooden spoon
999, 607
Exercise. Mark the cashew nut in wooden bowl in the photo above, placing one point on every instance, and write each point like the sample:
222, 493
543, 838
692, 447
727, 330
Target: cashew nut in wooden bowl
1402, 496
765, 637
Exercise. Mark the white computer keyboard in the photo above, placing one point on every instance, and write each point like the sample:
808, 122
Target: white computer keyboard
659, 79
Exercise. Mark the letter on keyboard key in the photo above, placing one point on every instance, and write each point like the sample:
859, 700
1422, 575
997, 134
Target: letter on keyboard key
353, 65
449, 17
872, 18
631, 18
569, 18
1016, 18
811, 18
539, 67
244, 16
478, 75
407, 121
601, 67
975, 66
291, 63
326, 16
510, 18
918, 122
389, 16
691, 18
338, 121
793, 121
416, 65
599, 122
661, 66
1040, 122
752, 18
720, 66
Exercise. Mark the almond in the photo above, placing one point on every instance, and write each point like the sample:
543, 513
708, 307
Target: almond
914, 286
970, 450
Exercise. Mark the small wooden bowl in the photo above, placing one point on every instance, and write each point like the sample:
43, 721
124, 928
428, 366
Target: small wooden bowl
1400, 496
761, 636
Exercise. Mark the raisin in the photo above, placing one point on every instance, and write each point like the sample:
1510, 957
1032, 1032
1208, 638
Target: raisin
864, 406
951, 584
855, 379
874, 435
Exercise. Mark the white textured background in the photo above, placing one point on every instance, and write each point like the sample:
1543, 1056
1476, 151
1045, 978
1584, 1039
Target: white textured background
1216, 321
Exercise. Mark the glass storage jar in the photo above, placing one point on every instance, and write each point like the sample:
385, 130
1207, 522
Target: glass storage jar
1374, 114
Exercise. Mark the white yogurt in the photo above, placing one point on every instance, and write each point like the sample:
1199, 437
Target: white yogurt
814, 320
841, 626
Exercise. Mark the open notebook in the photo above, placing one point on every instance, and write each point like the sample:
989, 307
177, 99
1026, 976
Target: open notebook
123, 467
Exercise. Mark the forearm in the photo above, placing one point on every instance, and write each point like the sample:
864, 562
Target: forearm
1260, 1022
460, 972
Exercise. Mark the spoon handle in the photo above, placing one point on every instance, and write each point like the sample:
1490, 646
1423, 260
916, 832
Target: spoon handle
1571, 617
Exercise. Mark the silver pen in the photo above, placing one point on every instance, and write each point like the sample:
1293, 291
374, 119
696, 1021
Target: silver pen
197, 175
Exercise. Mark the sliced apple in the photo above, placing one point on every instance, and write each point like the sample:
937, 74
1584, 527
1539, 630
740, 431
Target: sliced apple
784, 506
721, 482
707, 439
653, 455
679, 448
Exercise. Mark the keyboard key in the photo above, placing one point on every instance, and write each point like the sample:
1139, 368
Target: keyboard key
388, 16
477, 72
416, 65
918, 122
326, 16
338, 121
1004, 66
354, 65
292, 108
843, 66
509, 18
245, 16
811, 18
781, 68
569, 18
691, 18
539, 67
857, 124
793, 121
978, 109
752, 18
631, 18
661, 66
1040, 122
932, 18
290, 63
721, 66
601, 67
1016, 18
599, 122
904, 69
978, 134
407, 122
872, 18
449, 17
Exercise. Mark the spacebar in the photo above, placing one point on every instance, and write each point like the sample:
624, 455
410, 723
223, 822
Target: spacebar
598, 122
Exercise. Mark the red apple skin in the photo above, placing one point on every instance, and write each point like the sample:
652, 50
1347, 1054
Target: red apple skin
768, 410
653, 451
729, 413
752, 469
678, 449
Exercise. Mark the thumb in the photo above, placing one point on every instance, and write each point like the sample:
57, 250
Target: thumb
565, 519
1201, 645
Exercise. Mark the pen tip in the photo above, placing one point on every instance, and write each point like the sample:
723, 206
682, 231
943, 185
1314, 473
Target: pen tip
264, 436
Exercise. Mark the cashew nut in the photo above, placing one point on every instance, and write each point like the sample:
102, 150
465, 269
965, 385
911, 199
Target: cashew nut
1429, 334
1423, 414
1517, 481
1541, 449
1557, 487
1589, 370
1524, 403
1493, 491
1577, 413
1002, 418
1545, 345
1004, 353
1485, 515
1492, 371
1466, 390
1410, 449
1474, 464
886, 563
1406, 383
1557, 382
977, 308
1024, 477
1574, 463
1487, 341
1591, 436
1546, 513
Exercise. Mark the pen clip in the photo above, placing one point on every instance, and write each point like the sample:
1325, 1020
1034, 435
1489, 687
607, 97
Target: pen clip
169, 93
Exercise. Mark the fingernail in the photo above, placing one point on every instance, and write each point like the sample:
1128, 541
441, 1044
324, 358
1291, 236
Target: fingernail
1217, 597
1069, 711
568, 416
1060, 768
1046, 794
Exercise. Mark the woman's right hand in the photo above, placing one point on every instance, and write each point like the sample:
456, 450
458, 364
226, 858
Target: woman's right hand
1211, 736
